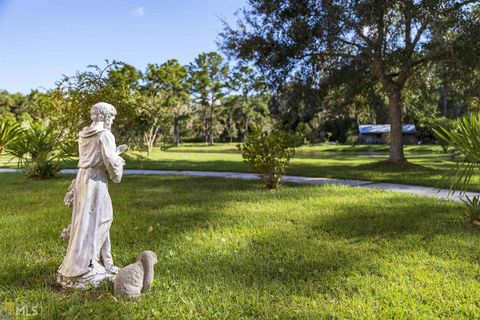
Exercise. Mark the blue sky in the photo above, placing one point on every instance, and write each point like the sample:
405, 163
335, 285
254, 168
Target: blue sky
42, 39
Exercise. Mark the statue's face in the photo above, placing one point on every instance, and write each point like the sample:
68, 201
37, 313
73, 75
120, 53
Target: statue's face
109, 120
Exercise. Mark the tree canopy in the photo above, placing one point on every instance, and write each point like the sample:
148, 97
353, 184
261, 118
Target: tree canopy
208, 76
389, 40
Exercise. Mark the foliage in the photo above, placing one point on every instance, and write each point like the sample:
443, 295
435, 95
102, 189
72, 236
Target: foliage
208, 78
269, 153
41, 150
329, 97
426, 126
241, 112
116, 83
473, 207
230, 118
352, 138
153, 118
464, 138
9, 132
249, 103
317, 41
170, 80
14, 103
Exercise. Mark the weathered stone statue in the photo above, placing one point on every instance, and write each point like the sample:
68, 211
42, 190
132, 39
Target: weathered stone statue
88, 260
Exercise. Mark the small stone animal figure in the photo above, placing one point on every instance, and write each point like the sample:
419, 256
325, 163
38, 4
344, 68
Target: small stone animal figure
136, 277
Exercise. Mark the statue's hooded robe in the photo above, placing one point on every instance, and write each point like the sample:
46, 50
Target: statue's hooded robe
92, 207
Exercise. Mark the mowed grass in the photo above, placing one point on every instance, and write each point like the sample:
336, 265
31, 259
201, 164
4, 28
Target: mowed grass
228, 249
428, 165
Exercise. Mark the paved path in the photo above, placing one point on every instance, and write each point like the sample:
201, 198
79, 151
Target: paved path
411, 189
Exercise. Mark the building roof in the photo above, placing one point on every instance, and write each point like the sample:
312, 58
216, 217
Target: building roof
384, 128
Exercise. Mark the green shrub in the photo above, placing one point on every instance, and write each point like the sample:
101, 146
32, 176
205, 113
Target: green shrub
9, 132
269, 153
40, 150
473, 207
352, 138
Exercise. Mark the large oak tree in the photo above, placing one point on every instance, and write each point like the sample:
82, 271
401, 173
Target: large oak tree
391, 39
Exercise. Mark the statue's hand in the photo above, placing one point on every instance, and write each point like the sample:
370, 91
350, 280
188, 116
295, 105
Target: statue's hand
122, 148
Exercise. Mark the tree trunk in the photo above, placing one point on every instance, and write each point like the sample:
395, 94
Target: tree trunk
229, 128
444, 99
150, 137
149, 142
205, 123
394, 93
245, 134
176, 132
210, 134
395, 119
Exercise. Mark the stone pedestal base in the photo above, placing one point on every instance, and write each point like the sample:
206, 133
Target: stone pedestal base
91, 279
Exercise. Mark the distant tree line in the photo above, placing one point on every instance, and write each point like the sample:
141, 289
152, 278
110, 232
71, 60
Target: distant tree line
206, 100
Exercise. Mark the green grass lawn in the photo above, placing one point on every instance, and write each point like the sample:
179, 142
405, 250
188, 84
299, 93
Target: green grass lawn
228, 249
428, 164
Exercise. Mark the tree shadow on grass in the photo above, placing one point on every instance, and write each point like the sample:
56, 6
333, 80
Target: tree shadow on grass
27, 281
27, 274
174, 204
378, 171
418, 224
281, 258
368, 168
144, 162
396, 217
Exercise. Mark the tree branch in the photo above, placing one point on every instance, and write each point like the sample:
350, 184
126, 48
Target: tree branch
419, 33
325, 55
408, 28
353, 44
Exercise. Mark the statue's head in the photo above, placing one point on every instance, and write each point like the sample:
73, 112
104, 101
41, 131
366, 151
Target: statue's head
103, 112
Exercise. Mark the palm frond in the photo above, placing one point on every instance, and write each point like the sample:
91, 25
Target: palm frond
40, 150
9, 132
465, 139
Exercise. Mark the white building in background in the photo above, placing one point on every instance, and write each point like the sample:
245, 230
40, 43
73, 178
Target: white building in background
380, 133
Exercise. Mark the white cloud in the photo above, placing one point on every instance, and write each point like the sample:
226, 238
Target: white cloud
138, 12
